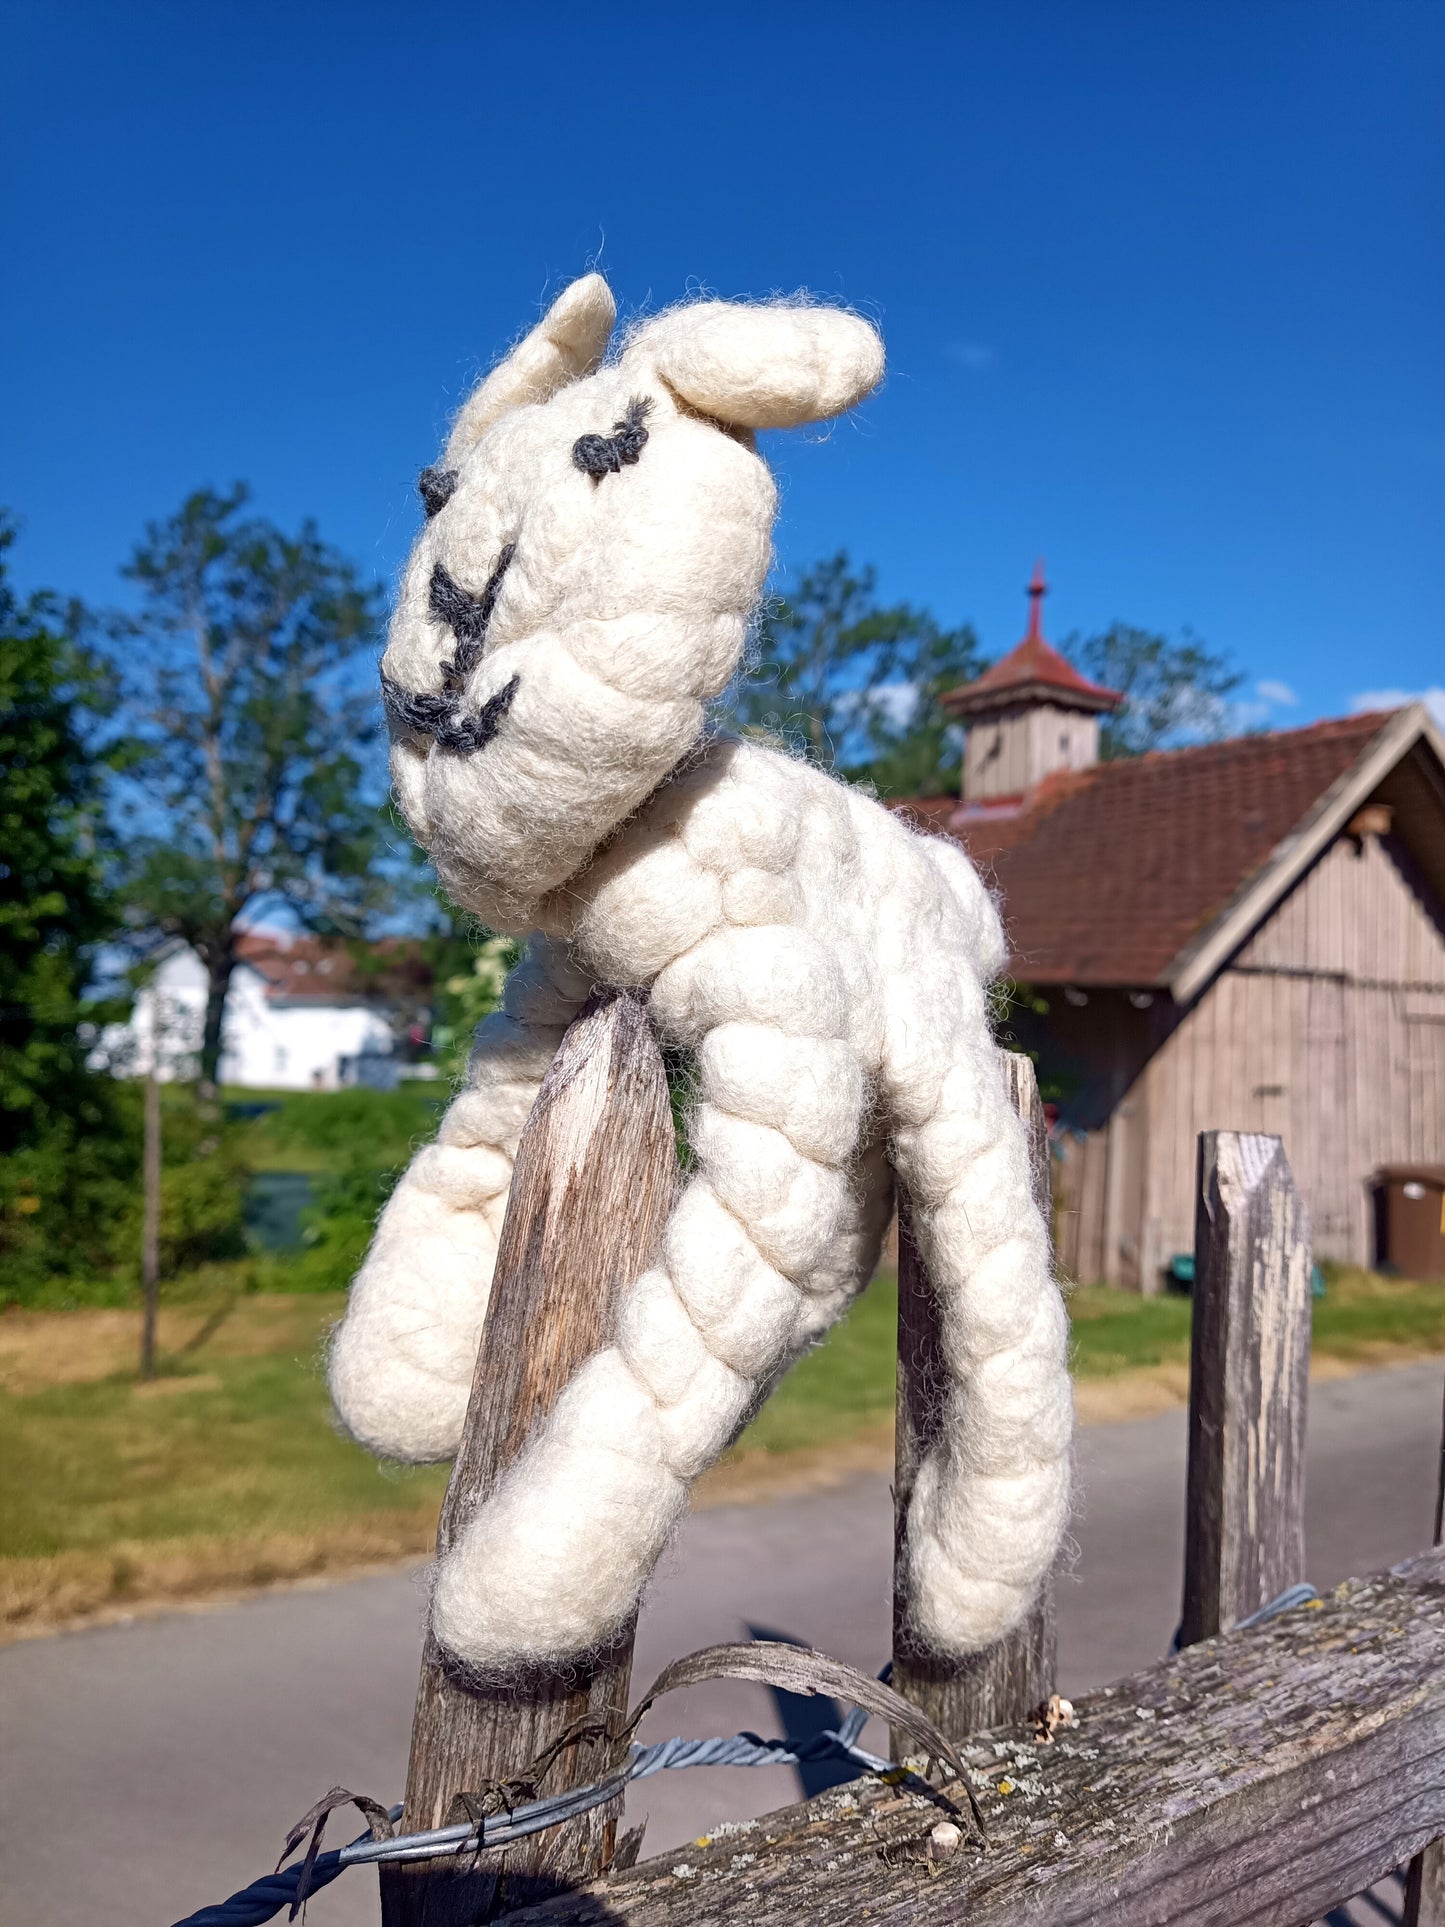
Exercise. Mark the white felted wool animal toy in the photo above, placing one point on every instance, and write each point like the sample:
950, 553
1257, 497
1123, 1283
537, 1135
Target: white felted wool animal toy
598, 534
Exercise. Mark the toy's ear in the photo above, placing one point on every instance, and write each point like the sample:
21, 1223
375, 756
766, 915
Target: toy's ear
568, 342
764, 366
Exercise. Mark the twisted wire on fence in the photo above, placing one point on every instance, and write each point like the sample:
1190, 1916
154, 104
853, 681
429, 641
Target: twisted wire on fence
267, 1896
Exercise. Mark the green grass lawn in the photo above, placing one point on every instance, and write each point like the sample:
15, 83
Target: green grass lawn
225, 1446
1118, 1331
229, 1469
849, 1382
846, 1384
1362, 1317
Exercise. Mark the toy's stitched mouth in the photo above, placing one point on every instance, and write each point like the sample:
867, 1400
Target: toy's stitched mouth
439, 714
443, 719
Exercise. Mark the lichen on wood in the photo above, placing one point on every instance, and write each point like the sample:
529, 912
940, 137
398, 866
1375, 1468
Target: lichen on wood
1254, 1780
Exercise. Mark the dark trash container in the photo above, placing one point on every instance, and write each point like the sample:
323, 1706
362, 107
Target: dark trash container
1410, 1220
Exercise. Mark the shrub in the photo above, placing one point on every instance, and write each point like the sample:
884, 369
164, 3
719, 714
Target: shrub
71, 1204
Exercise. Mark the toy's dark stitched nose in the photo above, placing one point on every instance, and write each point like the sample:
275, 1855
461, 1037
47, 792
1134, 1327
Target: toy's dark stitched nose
599, 455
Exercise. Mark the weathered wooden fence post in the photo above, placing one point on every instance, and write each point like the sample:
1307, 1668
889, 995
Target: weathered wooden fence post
595, 1175
1425, 1882
1248, 1383
1007, 1681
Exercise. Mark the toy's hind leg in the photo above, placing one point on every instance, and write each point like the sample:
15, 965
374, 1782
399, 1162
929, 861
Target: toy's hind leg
991, 1499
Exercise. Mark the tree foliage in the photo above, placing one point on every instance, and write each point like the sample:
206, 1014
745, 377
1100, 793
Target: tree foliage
917, 749
854, 683
54, 905
256, 781
64, 1170
470, 968
1174, 692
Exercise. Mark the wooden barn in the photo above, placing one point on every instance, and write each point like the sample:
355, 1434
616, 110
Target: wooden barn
1248, 934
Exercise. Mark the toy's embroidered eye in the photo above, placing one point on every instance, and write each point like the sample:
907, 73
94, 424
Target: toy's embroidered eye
436, 487
599, 455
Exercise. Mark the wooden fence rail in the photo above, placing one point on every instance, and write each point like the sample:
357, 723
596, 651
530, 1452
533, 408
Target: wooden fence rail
1253, 1780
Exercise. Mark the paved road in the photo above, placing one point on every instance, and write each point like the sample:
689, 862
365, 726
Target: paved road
150, 1768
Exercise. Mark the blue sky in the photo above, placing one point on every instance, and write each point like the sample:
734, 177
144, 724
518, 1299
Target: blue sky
1161, 284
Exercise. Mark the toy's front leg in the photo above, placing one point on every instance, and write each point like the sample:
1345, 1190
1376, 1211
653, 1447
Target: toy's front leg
402, 1359
553, 1563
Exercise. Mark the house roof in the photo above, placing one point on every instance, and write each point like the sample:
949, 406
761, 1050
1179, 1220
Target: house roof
1032, 669
313, 970
1151, 870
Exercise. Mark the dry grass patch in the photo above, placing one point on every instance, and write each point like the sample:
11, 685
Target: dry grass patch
87, 1587
223, 1472
39, 1349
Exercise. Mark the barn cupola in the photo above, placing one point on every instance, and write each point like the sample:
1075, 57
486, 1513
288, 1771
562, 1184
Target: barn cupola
1028, 715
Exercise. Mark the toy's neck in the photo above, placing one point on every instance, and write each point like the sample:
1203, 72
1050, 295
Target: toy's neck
556, 914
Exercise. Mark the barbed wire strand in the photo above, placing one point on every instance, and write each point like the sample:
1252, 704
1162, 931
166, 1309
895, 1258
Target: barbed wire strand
265, 1897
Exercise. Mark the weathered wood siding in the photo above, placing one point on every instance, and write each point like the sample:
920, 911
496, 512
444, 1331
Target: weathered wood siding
1362, 913
1327, 1028
1096, 1053
1007, 753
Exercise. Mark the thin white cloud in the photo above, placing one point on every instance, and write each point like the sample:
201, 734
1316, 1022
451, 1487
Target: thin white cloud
1433, 699
895, 701
1279, 693
975, 356
1259, 710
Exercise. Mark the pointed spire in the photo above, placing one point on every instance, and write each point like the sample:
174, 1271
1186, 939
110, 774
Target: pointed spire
1038, 589
1032, 671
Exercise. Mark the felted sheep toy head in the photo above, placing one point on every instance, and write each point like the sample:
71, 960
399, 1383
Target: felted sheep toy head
597, 537
598, 534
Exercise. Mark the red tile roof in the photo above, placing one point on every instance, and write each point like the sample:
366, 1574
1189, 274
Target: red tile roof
1107, 873
1034, 667
316, 970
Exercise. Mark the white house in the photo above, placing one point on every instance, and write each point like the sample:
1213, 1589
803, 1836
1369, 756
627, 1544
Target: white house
297, 1018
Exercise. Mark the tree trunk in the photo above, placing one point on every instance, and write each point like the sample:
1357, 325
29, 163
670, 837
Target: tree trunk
150, 1243
220, 961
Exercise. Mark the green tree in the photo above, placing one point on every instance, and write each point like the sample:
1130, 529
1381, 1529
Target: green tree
1174, 692
917, 750
257, 783
854, 682
55, 908
67, 1146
